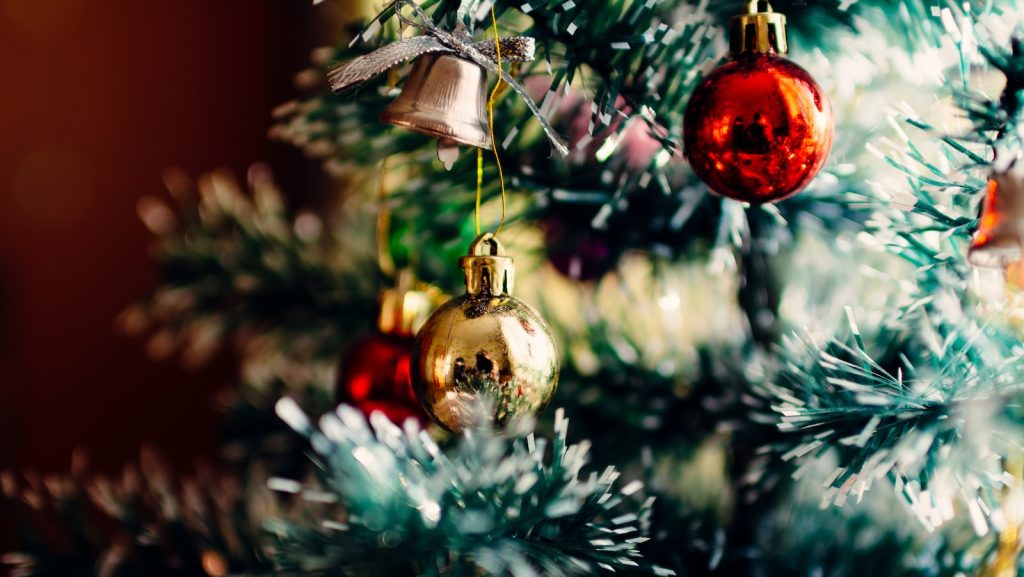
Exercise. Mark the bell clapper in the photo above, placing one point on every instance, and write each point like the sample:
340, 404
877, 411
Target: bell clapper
447, 152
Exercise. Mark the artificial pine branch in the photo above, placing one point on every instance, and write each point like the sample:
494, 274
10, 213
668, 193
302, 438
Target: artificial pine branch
883, 395
236, 265
634, 62
496, 503
909, 409
145, 523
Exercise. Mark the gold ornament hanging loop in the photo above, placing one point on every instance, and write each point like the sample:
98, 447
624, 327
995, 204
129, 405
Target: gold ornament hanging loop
488, 271
495, 93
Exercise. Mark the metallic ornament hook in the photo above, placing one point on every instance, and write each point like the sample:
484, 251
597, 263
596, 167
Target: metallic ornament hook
760, 29
489, 272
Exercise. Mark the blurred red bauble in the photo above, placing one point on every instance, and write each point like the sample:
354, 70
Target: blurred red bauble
758, 128
374, 373
374, 376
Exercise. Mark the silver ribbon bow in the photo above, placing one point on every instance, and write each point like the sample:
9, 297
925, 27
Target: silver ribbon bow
515, 49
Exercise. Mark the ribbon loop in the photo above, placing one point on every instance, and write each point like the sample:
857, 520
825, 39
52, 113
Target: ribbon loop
362, 68
513, 49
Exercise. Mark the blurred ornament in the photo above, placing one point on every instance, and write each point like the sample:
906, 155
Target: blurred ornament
484, 345
1014, 274
214, 564
374, 373
638, 146
592, 133
998, 241
581, 255
1003, 561
758, 128
449, 68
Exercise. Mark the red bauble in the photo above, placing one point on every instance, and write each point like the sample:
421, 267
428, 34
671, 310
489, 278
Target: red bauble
758, 128
374, 376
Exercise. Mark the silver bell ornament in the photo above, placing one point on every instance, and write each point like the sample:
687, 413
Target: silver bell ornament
445, 96
485, 345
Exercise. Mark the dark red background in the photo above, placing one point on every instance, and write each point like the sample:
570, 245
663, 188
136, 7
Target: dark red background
97, 98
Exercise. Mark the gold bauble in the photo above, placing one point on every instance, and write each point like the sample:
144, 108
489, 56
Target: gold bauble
485, 345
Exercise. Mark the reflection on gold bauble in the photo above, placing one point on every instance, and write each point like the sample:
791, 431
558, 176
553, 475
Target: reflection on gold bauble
485, 345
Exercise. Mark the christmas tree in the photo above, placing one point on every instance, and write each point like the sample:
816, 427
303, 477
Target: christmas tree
769, 254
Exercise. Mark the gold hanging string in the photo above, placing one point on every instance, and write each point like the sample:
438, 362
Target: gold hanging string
479, 185
495, 93
384, 259
491, 117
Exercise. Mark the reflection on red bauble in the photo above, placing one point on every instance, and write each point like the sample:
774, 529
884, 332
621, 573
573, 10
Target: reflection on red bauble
758, 128
374, 376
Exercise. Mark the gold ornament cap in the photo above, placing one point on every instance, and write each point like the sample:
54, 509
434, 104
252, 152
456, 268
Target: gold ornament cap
403, 310
488, 271
760, 29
